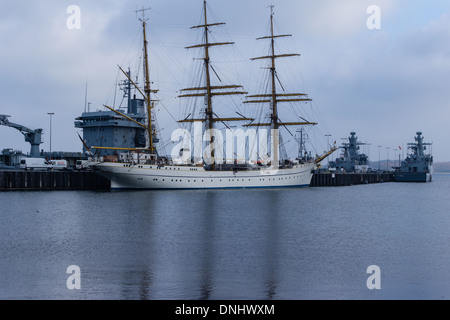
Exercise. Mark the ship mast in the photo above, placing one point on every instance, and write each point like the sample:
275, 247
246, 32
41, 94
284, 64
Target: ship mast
146, 95
147, 89
273, 73
209, 91
419, 146
274, 97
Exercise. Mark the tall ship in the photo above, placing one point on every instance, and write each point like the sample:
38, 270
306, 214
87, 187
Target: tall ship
351, 159
253, 161
418, 165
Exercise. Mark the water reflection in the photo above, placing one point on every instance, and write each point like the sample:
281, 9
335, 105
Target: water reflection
271, 243
227, 244
199, 245
135, 218
237, 249
208, 241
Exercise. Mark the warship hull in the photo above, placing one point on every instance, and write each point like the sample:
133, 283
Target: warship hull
418, 166
168, 177
413, 177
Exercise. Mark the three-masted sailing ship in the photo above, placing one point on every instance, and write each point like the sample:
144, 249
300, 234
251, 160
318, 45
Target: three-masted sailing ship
149, 170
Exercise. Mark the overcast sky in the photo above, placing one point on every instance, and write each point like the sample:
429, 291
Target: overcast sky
385, 84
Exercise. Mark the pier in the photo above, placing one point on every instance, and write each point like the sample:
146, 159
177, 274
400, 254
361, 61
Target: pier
19, 180
349, 179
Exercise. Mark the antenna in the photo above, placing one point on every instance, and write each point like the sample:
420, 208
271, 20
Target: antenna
85, 98
143, 19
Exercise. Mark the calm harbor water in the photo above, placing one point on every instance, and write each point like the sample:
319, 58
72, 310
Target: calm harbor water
295, 244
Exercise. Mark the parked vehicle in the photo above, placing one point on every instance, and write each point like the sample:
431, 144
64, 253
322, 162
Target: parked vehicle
32, 164
81, 165
59, 164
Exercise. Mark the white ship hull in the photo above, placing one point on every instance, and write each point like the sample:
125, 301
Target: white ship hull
146, 177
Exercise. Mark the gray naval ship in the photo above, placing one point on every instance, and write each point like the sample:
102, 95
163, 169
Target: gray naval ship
350, 160
418, 166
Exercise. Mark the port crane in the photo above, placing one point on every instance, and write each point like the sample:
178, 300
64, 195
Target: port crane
34, 137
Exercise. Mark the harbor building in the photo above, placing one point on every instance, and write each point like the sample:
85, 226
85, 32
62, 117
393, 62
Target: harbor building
116, 128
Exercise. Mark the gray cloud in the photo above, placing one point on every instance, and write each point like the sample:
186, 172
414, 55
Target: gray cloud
385, 84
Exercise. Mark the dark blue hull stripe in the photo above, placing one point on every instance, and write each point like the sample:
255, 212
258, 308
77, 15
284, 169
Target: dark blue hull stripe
215, 188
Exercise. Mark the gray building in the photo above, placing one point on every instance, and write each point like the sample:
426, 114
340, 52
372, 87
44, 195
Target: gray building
112, 129
109, 129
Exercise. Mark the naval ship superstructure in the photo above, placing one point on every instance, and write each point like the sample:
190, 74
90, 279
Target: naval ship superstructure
121, 127
418, 165
350, 160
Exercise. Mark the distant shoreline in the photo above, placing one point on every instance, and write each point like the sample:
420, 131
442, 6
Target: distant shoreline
441, 167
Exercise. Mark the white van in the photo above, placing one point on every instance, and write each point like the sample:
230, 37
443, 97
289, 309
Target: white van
81, 165
59, 164
34, 164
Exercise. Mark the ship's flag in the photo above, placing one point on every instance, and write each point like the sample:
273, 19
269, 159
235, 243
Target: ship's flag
400, 147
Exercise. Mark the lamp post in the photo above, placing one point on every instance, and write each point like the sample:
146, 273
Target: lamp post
328, 139
50, 114
328, 145
379, 157
387, 158
395, 154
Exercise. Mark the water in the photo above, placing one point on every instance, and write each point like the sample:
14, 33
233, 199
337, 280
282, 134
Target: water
313, 243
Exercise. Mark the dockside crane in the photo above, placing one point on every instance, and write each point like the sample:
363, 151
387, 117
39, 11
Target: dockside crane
34, 137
